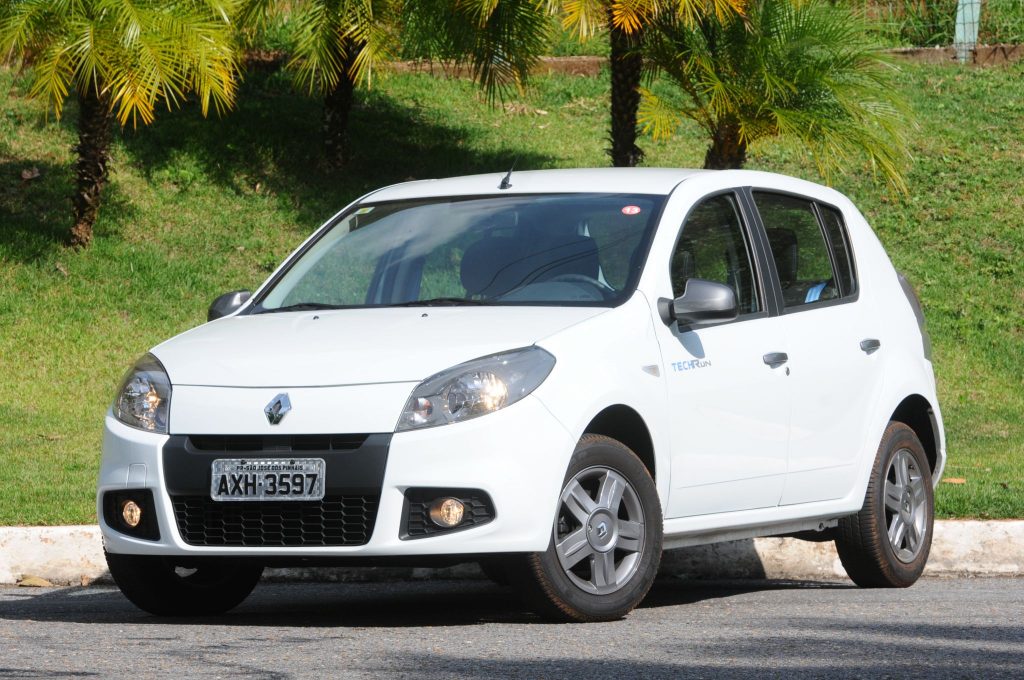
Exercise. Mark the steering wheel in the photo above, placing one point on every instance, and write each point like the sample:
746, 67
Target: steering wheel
583, 278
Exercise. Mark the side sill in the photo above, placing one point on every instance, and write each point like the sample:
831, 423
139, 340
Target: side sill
781, 529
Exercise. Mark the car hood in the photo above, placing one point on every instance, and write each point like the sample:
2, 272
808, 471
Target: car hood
353, 346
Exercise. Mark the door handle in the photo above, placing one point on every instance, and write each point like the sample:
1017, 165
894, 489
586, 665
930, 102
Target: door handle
870, 345
775, 359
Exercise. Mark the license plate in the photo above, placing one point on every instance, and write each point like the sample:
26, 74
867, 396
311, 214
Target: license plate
286, 479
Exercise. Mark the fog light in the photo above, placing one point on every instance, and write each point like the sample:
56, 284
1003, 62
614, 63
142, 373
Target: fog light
447, 512
132, 513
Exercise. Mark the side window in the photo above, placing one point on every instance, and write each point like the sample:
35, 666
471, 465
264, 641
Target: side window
799, 248
837, 238
712, 246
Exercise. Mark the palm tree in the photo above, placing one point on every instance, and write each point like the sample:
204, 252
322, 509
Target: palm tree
499, 40
120, 59
338, 43
805, 70
627, 22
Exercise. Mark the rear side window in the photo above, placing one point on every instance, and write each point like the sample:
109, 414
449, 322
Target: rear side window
798, 245
835, 229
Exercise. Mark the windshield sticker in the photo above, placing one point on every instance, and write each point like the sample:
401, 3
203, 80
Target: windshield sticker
363, 211
631, 210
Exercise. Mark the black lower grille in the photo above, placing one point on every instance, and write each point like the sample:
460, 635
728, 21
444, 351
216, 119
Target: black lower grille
276, 443
333, 521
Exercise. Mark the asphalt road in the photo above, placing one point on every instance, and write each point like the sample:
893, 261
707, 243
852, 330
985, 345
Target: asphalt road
966, 628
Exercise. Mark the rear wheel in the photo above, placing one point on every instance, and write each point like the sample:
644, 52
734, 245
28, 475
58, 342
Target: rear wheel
605, 541
194, 587
886, 544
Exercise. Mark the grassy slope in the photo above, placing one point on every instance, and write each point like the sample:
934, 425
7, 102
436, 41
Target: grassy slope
199, 207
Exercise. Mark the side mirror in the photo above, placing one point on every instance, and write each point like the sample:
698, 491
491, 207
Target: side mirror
701, 302
227, 303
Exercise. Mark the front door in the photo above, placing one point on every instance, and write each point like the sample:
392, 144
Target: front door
729, 408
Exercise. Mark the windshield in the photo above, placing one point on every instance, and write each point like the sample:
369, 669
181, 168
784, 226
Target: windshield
564, 249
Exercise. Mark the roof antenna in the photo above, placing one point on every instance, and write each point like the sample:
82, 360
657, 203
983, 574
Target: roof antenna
506, 181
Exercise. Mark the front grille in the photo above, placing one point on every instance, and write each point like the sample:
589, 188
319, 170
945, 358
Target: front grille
276, 443
478, 510
333, 521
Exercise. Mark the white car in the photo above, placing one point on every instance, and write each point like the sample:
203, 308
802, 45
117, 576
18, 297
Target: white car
557, 374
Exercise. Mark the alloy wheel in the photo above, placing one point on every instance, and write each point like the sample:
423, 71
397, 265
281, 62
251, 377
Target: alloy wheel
599, 530
906, 507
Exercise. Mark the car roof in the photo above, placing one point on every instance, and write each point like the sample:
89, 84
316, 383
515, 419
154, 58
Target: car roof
660, 181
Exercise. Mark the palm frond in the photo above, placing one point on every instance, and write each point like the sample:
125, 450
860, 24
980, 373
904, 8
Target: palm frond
692, 12
133, 53
584, 17
53, 74
28, 25
499, 49
657, 118
318, 56
336, 39
632, 15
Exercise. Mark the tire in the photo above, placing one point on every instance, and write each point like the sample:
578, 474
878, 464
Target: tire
886, 544
610, 513
169, 587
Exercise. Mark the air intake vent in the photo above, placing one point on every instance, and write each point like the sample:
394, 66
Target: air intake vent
255, 443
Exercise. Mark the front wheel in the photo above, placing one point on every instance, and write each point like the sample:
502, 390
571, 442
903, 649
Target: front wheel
605, 540
886, 544
195, 587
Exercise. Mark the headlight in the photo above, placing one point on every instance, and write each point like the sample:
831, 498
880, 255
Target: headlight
145, 396
476, 388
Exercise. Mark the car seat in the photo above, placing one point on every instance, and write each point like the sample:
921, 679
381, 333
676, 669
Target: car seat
491, 267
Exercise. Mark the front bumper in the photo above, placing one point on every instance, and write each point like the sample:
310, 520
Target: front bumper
517, 456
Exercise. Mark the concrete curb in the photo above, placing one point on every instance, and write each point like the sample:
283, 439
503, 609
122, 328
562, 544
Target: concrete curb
74, 555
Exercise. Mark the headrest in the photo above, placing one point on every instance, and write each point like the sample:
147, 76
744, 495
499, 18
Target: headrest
786, 254
565, 255
488, 266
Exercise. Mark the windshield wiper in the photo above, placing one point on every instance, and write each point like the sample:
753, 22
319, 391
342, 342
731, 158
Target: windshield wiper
300, 307
440, 302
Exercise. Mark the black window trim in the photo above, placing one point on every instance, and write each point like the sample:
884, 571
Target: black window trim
763, 254
766, 295
776, 285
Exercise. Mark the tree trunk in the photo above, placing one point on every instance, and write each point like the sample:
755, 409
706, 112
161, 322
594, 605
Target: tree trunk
337, 106
93, 149
727, 151
626, 69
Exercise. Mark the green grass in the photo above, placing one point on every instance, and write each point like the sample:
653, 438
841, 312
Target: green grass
197, 207
933, 23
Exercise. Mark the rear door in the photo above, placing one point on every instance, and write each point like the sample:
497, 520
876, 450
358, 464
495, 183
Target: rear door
834, 375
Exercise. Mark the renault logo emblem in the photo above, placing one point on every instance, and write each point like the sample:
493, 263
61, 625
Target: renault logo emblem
278, 408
